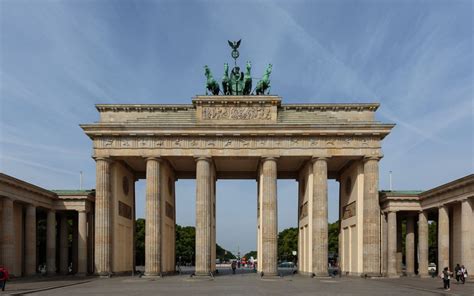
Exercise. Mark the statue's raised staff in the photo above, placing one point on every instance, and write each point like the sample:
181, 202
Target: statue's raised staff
248, 79
211, 83
264, 83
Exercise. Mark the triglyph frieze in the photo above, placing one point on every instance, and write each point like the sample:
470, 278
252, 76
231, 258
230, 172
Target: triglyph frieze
228, 142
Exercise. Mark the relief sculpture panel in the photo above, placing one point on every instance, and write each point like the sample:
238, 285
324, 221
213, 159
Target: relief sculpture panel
236, 113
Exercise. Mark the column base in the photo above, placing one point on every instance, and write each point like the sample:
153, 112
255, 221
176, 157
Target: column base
80, 274
371, 275
393, 276
269, 275
151, 276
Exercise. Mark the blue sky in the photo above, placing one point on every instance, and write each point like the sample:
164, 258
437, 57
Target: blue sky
59, 58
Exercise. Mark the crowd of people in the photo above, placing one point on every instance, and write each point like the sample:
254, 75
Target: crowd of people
460, 273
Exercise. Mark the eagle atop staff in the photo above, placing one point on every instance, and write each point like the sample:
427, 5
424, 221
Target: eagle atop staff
234, 44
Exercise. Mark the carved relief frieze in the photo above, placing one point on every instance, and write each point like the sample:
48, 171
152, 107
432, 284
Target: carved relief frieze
235, 142
236, 113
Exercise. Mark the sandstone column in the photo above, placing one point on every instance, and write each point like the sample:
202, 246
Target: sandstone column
75, 243
384, 258
103, 235
443, 238
320, 217
203, 216
399, 255
410, 246
269, 217
8, 234
423, 244
82, 243
51, 242
30, 240
466, 239
371, 228
153, 218
63, 245
392, 244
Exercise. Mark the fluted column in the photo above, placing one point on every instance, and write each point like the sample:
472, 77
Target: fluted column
203, 216
423, 244
103, 234
371, 227
392, 244
443, 237
466, 232
320, 217
399, 255
153, 218
8, 234
63, 245
82, 243
269, 217
51, 242
410, 246
30, 240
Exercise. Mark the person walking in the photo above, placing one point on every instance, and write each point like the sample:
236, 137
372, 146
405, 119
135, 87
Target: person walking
463, 274
233, 265
457, 272
4, 276
446, 276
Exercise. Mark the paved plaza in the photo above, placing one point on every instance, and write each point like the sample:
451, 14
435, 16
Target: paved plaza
243, 283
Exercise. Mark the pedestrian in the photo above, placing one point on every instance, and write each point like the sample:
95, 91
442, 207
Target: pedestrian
463, 274
4, 276
457, 272
446, 276
233, 265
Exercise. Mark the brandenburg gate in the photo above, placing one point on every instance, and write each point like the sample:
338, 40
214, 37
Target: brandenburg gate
237, 133
237, 137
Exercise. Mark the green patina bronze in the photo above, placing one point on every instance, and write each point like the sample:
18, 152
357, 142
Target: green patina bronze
248, 79
211, 84
237, 83
264, 83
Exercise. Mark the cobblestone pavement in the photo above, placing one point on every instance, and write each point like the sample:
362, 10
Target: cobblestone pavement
246, 283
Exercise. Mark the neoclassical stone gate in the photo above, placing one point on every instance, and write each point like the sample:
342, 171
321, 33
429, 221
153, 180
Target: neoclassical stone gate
238, 137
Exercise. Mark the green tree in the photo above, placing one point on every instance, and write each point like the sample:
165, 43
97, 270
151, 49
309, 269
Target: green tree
287, 243
333, 238
251, 254
140, 242
223, 255
432, 242
185, 244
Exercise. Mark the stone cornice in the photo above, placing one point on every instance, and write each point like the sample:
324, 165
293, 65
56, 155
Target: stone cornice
237, 101
16, 183
142, 107
332, 107
462, 182
354, 129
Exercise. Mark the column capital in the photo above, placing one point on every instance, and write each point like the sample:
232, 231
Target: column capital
102, 158
157, 158
202, 157
372, 157
315, 158
270, 157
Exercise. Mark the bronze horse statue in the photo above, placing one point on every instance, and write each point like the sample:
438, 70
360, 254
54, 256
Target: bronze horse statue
248, 79
211, 83
264, 83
